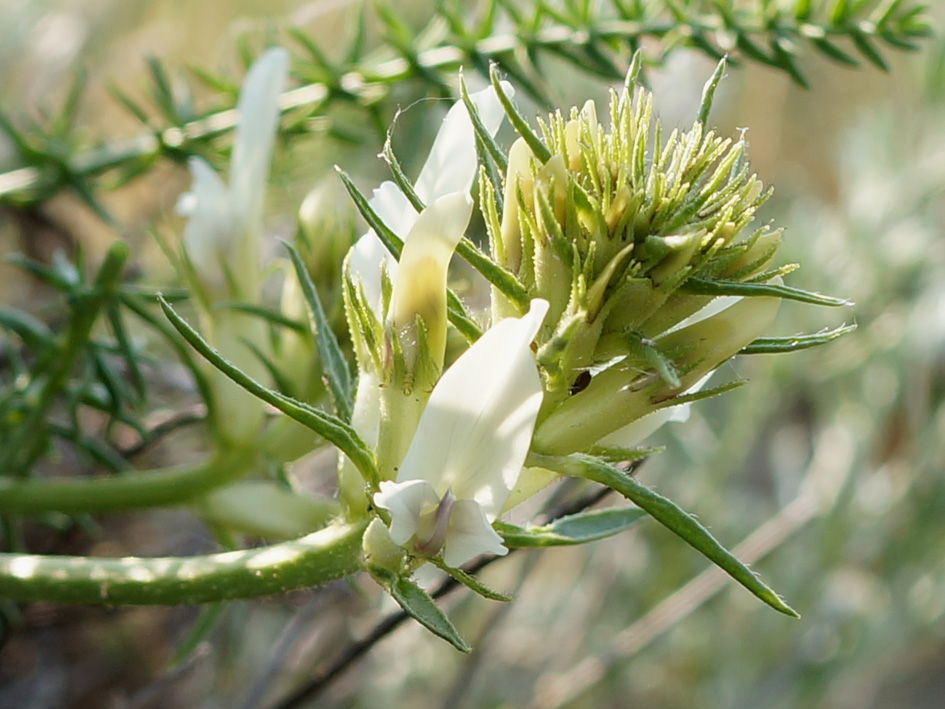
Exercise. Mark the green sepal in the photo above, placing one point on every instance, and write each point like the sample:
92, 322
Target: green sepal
650, 353
333, 362
699, 286
329, 427
776, 345
573, 529
472, 583
671, 516
419, 605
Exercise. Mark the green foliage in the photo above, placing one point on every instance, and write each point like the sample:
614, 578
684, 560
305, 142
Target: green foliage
571, 529
90, 357
597, 38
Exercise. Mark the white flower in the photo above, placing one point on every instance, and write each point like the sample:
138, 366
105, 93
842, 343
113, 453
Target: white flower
443, 186
450, 169
467, 452
224, 221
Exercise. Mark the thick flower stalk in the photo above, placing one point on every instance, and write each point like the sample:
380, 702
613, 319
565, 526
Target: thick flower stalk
631, 238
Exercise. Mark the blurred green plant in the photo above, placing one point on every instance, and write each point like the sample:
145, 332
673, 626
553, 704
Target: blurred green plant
55, 370
597, 38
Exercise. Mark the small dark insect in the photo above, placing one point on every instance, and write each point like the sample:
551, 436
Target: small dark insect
580, 382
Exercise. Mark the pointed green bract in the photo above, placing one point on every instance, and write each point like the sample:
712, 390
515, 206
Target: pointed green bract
332, 429
776, 345
716, 288
671, 516
333, 362
418, 604
472, 583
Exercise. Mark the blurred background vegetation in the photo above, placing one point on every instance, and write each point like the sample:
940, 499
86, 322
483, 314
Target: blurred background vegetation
829, 463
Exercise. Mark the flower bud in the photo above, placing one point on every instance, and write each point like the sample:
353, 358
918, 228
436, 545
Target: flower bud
620, 231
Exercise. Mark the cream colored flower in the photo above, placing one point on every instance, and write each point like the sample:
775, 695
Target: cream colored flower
467, 452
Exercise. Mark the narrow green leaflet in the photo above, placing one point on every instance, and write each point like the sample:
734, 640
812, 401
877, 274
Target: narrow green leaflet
700, 286
334, 364
472, 583
671, 516
776, 345
206, 622
502, 279
573, 529
273, 317
488, 142
459, 319
521, 126
126, 349
400, 179
418, 604
34, 333
393, 243
331, 428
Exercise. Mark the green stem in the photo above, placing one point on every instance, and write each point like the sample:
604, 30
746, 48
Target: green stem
165, 487
325, 555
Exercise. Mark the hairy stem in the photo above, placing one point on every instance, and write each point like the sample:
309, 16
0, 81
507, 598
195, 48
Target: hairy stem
320, 557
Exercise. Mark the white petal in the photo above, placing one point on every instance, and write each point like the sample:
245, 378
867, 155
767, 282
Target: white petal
211, 225
405, 501
420, 287
451, 166
477, 426
365, 261
470, 535
393, 208
255, 134
366, 413
369, 255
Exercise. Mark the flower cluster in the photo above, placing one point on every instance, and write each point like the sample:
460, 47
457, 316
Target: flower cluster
630, 239
640, 277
